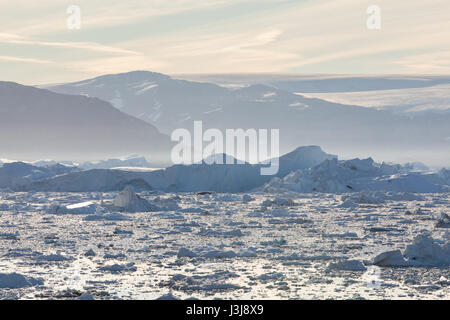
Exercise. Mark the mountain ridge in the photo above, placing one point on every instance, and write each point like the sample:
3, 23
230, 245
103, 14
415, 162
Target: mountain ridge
169, 103
38, 123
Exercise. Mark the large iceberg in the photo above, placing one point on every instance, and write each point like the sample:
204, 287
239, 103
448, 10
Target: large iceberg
15, 281
128, 201
87, 207
101, 180
182, 178
15, 174
334, 176
306, 170
423, 252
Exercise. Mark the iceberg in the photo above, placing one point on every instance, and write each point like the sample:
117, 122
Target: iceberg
15, 281
423, 252
87, 207
128, 201
346, 176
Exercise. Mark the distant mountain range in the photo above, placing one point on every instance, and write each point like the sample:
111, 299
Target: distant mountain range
38, 123
323, 83
153, 97
169, 103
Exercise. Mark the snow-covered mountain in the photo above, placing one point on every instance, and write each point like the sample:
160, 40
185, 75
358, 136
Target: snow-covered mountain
357, 83
169, 103
322, 83
37, 123
410, 100
153, 97
397, 93
130, 161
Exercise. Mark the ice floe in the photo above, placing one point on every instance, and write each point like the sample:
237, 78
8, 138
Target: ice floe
444, 221
347, 265
15, 280
87, 207
119, 268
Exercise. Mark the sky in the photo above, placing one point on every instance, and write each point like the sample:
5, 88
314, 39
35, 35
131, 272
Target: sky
37, 46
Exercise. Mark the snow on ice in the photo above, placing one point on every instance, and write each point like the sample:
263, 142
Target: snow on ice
314, 233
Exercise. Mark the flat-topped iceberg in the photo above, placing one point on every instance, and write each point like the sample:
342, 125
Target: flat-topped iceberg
87, 207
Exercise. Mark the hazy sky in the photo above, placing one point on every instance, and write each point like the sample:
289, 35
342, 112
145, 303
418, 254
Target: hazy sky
221, 36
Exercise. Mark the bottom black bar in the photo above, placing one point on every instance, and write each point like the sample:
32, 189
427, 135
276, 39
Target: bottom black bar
219, 309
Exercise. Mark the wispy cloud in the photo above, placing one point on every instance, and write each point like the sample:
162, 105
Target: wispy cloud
306, 35
436, 62
20, 59
106, 13
212, 36
91, 46
115, 64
